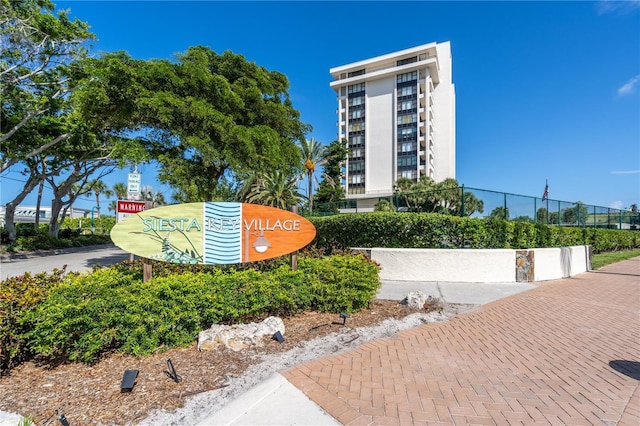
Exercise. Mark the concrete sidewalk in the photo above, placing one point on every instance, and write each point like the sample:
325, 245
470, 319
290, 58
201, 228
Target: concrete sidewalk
565, 352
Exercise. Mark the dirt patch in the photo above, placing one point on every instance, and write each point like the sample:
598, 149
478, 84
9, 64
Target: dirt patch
91, 395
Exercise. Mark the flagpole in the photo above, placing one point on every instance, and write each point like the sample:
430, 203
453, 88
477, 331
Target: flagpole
546, 190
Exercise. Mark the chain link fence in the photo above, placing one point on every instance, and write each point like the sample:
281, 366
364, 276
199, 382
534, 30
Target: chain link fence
482, 203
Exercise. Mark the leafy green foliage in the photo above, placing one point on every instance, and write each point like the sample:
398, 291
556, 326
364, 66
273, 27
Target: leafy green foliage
112, 309
331, 189
429, 230
30, 239
209, 115
18, 296
443, 197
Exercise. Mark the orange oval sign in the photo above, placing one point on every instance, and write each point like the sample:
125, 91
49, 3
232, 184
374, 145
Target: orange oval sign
213, 233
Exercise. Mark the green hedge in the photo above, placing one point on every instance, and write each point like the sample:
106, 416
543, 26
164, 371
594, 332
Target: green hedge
19, 296
428, 230
112, 309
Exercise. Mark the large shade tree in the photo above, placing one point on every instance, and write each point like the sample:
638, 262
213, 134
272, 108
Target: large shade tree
38, 45
207, 116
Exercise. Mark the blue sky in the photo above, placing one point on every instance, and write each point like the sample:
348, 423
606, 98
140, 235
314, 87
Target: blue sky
545, 90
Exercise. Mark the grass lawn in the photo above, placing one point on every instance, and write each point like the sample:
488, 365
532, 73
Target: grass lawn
603, 259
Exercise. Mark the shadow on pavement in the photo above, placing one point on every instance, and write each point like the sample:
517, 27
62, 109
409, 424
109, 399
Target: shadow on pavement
628, 368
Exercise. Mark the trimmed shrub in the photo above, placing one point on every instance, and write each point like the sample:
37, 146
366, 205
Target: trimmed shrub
18, 296
112, 309
430, 230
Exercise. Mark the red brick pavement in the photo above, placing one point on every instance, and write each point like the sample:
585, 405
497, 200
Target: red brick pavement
546, 356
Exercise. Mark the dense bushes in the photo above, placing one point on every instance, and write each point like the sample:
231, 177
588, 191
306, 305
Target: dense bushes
427, 230
28, 238
87, 315
18, 297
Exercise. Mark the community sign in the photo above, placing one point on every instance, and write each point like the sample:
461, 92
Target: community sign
213, 233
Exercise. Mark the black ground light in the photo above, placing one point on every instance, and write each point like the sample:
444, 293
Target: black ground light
171, 372
344, 319
128, 380
63, 420
278, 336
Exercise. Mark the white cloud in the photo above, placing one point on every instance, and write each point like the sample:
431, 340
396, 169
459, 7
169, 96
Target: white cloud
616, 205
625, 172
611, 6
629, 87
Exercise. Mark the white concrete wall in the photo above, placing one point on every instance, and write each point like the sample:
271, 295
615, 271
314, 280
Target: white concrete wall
476, 266
555, 263
482, 266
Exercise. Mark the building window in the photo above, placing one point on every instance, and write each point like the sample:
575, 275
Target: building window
407, 134
408, 90
409, 76
407, 161
407, 105
407, 118
355, 179
355, 88
407, 61
356, 140
355, 73
408, 147
356, 166
356, 153
356, 113
356, 100
409, 174
356, 127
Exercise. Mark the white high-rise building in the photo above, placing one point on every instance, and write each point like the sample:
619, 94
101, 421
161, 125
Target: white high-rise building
397, 112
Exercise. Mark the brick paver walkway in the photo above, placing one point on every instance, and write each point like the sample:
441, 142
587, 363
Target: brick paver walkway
553, 355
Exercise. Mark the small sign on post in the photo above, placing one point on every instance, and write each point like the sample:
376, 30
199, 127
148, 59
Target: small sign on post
127, 208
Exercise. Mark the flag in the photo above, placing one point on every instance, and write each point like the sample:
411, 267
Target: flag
545, 195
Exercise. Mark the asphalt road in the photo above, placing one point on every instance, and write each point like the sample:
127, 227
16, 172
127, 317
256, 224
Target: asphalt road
77, 259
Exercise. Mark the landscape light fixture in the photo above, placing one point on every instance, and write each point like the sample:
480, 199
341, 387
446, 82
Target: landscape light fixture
128, 380
262, 244
63, 420
344, 319
171, 372
278, 336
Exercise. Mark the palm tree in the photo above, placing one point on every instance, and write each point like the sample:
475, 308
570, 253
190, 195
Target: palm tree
120, 189
98, 187
275, 189
156, 197
313, 154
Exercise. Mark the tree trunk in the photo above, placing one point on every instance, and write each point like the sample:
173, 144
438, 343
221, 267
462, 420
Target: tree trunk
10, 208
54, 223
310, 191
98, 204
38, 202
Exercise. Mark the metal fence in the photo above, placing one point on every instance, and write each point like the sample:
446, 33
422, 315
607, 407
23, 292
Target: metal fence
482, 203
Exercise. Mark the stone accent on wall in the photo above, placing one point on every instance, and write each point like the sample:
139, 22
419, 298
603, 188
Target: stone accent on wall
525, 266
